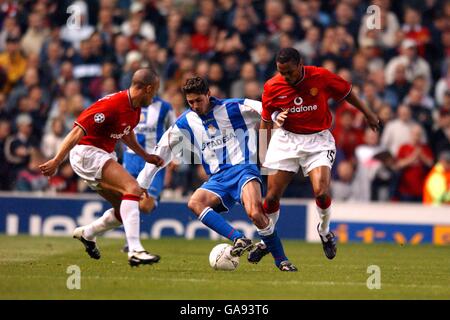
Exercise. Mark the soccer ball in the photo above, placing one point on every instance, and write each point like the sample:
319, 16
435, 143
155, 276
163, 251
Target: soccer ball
220, 258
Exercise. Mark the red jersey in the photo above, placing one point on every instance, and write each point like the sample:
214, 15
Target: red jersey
413, 176
108, 120
307, 101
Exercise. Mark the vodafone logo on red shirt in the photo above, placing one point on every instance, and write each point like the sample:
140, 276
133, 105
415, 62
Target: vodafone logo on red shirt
298, 107
125, 132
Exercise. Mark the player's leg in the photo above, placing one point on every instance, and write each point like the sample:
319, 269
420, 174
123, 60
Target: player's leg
118, 179
276, 185
320, 179
110, 218
252, 201
149, 200
206, 205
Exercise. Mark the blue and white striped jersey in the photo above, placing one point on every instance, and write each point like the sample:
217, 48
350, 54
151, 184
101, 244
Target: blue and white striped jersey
225, 137
155, 119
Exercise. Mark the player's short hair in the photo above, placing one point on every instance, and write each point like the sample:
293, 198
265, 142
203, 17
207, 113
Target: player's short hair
288, 55
196, 85
144, 77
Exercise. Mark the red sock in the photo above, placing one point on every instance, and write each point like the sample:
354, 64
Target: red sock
272, 207
323, 202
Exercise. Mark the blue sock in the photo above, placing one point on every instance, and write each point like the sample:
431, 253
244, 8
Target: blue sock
273, 243
217, 223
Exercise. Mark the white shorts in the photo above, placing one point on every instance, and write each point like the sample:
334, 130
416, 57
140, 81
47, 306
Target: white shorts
288, 151
88, 161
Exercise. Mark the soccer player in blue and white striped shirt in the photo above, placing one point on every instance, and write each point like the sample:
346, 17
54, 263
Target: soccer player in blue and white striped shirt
222, 134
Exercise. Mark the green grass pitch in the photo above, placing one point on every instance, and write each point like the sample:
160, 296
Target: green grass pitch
36, 268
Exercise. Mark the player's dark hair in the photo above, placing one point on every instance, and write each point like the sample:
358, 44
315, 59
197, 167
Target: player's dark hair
196, 85
288, 55
144, 77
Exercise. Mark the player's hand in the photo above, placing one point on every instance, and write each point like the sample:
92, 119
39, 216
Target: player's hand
154, 159
281, 117
374, 122
49, 168
144, 194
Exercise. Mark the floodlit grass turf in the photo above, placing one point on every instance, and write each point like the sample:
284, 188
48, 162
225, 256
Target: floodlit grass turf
35, 268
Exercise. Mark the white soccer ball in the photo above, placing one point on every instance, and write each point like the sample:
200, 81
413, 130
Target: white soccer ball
220, 258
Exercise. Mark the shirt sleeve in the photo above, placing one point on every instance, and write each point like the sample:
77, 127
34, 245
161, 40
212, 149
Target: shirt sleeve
338, 89
166, 149
254, 105
267, 110
94, 119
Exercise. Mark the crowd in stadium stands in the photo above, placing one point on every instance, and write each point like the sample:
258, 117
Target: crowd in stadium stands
54, 64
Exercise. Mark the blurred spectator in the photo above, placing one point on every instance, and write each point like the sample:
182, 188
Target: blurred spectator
440, 140
414, 64
136, 28
346, 135
413, 29
443, 86
367, 165
310, 45
12, 62
248, 73
396, 132
414, 160
31, 178
263, 59
5, 168
10, 28
399, 88
343, 188
420, 112
65, 179
86, 66
35, 35
18, 147
203, 38
53, 139
437, 183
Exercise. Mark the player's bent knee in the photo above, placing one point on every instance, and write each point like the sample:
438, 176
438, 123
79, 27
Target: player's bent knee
195, 206
146, 207
133, 188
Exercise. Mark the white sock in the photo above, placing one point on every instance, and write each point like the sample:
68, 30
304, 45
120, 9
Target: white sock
267, 231
324, 216
129, 211
274, 218
106, 222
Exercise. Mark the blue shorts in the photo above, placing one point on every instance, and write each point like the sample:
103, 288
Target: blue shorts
228, 184
134, 164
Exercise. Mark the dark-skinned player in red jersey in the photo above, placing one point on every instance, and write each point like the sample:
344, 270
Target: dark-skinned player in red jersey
91, 145
297, 100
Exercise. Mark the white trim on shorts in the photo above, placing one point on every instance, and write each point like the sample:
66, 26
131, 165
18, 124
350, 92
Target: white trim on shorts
248, 180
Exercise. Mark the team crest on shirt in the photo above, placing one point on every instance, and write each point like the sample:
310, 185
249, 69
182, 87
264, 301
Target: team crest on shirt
99, 117
212, 130
314, 91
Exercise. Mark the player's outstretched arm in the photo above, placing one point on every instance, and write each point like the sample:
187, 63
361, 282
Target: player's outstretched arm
131, 141
164, 151
372, 118
49, 168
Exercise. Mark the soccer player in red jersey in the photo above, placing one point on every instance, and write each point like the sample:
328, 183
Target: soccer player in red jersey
297, 99
91, 145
